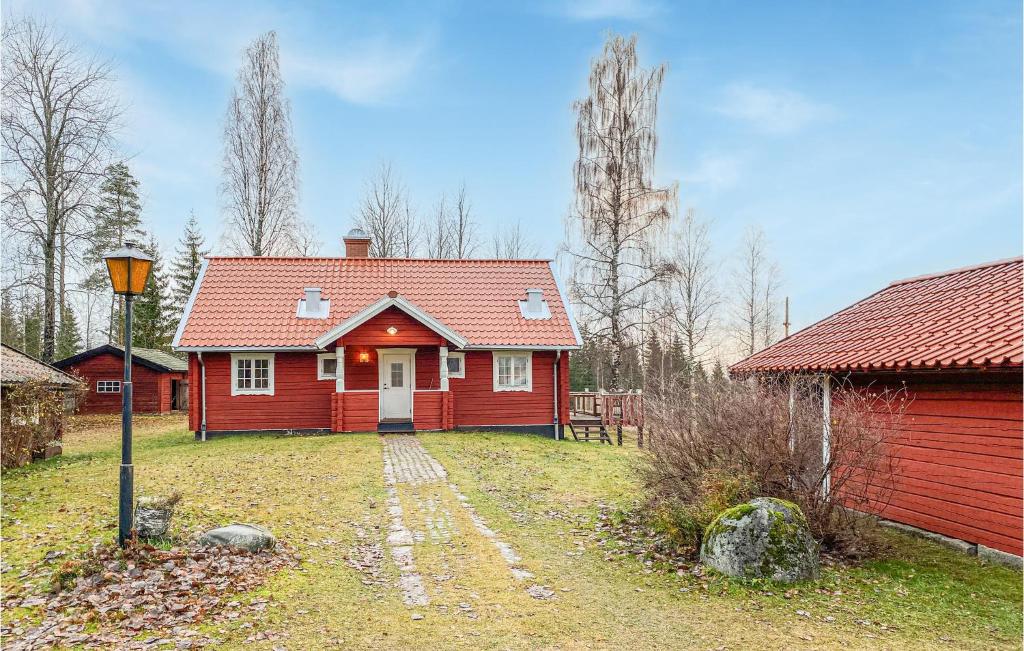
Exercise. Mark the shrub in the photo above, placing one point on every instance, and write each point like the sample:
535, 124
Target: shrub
33, 417
716, 444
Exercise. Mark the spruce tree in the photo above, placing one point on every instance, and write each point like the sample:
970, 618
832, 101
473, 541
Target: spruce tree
32, 327
118, 219
653, 377
69, 339
10, 321
185, 268
153, 324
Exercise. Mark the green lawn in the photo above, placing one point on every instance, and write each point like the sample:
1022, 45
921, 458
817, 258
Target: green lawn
325, 495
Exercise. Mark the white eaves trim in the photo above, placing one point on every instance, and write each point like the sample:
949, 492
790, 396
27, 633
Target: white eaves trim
361, 317
189, 304
568, 308
244, 349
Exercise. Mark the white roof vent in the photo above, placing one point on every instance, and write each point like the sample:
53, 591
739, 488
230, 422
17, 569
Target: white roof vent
534, 307
313, 306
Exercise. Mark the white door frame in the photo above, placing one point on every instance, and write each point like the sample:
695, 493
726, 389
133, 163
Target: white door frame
410, 353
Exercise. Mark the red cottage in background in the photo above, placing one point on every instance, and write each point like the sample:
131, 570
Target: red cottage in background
953, 341
160, 380
366, 344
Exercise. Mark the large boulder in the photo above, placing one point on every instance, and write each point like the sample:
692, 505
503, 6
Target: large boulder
244, 536
766, 537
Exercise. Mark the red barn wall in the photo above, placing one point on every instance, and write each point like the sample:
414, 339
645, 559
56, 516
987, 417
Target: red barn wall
958, 450
151, 390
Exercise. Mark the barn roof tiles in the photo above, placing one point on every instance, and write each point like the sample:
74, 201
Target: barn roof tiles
963, 318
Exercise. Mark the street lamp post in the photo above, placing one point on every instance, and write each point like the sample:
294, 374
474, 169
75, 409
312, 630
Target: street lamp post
129, 269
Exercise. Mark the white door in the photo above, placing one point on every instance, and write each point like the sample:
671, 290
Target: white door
396, 385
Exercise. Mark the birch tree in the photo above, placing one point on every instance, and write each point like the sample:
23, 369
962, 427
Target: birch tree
57, 129
618, 212
260, 169
409, 230
511, 244
756, 282
693, 297
462, 229
437, 233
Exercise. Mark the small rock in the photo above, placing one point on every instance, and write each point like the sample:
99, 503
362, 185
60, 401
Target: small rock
540, 592
245, 536
416, 617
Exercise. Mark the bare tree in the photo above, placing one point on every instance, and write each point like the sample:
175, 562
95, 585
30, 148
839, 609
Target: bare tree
409, 230
58, 121
692, 296
303, 239
462, 229
512, 244
381, 213
618, 212
757, 280
260, 183
437, 232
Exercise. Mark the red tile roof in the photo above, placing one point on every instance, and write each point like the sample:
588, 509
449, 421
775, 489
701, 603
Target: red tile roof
252, 302
964, 318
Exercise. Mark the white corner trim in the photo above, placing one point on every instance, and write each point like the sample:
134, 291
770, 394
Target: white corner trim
320, 366
462, 365
566, 306
367, 313
188, 306
513, 354
269, 391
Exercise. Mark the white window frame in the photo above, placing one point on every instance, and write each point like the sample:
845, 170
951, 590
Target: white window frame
110, 383
269, 391
462, 365
497, 354
320, 375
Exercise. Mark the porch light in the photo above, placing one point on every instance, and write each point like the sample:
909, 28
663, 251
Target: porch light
129, 269
392, 330
364, 358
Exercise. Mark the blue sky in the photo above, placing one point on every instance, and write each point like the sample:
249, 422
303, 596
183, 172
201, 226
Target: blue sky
870, 140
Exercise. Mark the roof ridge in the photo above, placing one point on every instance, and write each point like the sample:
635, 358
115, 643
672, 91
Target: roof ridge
388, 260
959, 270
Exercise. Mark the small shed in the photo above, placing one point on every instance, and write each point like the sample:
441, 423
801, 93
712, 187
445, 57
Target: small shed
35, 399
160, 380
953, 342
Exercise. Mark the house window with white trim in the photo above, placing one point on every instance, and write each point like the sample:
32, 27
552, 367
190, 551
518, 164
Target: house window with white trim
456, 365
513, 371
252, 374
108, 386
327, 366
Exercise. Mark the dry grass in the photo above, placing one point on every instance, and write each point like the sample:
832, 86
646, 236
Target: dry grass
543, 497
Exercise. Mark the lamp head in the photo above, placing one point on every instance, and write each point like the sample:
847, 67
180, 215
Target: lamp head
129, 269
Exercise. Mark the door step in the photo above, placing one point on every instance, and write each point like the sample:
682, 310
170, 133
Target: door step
396, 427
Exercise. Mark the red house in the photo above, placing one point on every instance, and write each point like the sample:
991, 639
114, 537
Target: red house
159, 380
953, 340
362, 344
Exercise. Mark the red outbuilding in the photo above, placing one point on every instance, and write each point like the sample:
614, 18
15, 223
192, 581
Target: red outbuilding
159, 380
363, 344
953, 341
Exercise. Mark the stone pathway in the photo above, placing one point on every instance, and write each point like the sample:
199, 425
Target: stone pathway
406, 462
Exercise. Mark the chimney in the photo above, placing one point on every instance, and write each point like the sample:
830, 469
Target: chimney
535, 301
312, 300
357, 244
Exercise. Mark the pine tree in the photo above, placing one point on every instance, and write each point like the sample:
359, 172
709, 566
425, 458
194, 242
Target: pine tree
153, 325
69, 339
118, 219
185, 268
654, 381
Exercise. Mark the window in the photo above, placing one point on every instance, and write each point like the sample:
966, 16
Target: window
456, 364
108, 386
513, 371
327, 366
397, 375
252, 374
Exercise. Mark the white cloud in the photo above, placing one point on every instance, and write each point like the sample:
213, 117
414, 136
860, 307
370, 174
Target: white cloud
772, 110
715, 171
611, 9
360, 68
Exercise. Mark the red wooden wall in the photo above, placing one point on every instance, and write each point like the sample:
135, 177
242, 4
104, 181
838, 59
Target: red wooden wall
476, 402
151, 390
958, 450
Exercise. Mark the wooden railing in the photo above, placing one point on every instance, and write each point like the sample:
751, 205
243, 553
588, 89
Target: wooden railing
611, 409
